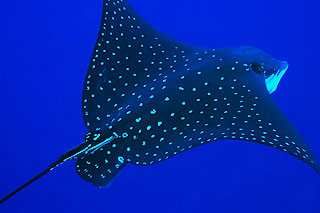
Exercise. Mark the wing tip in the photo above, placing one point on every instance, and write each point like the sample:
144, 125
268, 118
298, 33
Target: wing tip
316, 167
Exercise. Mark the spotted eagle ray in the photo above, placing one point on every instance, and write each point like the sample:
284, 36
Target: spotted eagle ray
148, 97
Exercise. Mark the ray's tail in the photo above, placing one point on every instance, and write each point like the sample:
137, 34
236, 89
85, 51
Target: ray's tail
93, 142
29, 182
70, 155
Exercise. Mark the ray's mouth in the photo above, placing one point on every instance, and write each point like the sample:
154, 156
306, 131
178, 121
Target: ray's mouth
273, 80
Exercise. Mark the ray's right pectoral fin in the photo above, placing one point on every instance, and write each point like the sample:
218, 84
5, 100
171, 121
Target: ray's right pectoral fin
101, 167
263, 122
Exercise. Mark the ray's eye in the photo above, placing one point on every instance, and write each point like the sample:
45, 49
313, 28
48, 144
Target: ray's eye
257, 68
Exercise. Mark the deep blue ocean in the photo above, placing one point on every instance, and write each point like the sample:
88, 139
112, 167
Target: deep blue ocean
45, 49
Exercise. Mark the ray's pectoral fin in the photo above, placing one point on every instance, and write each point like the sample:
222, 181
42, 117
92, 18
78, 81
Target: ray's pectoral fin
262, 121
103, 166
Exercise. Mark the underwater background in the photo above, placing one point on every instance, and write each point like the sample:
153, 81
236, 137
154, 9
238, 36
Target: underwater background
45, 48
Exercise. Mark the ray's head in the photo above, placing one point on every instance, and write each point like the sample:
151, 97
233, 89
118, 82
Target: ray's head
263, 64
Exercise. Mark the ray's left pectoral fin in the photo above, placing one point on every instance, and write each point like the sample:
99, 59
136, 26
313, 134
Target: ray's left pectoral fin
129, 52
101, 167
263, 122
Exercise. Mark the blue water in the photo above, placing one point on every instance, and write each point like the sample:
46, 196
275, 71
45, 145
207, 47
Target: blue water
45, 50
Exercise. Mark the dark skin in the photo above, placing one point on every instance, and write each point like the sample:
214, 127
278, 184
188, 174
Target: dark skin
257, 68
259, 61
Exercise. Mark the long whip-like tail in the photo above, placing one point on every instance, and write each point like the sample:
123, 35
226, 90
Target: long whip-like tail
30, 181
70, 155
90, 146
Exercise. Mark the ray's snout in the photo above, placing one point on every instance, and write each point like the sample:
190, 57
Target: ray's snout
273, 80
283, 66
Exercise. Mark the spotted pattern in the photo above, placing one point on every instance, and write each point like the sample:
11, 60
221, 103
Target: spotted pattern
163, 97
100, 173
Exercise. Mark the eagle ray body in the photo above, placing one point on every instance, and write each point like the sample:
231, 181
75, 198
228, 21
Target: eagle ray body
164, 97
148, 97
